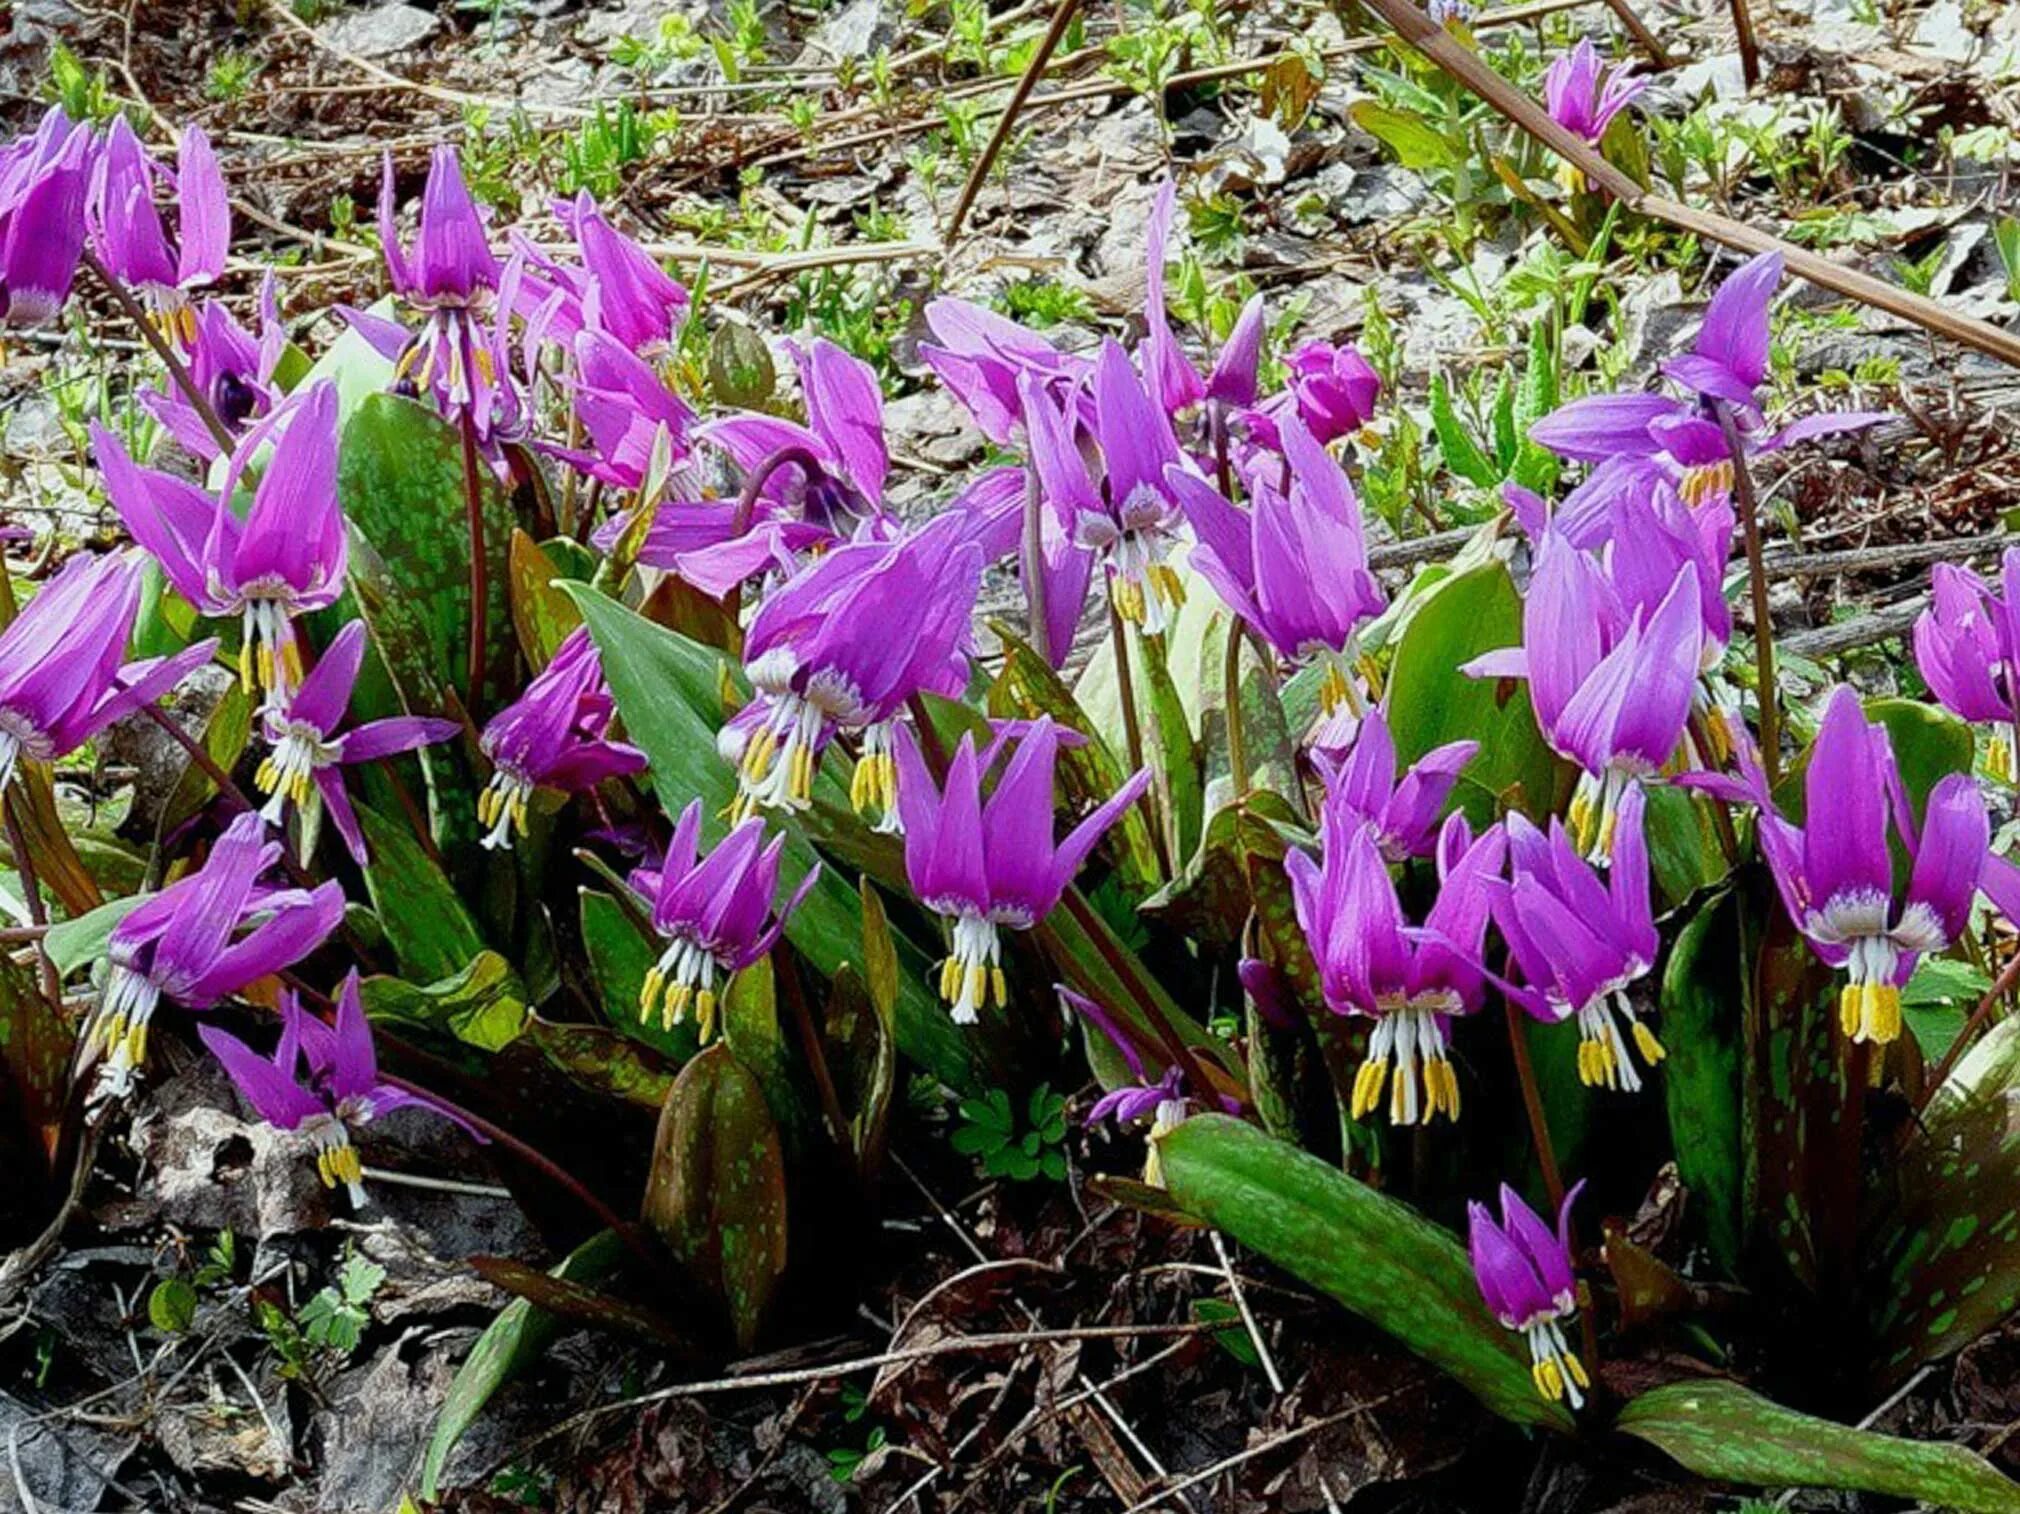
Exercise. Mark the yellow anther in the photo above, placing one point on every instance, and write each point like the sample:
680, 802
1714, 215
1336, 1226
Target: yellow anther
1001, 987
704, 1014
1576, 1368
1652, 1050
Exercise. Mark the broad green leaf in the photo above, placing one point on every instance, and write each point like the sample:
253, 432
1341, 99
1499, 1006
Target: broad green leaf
1937, 999
1929, 743
1720, 1430
1376, 1256
880, 952
604, 1060
1174, 753
510, 1343
582, 1303
717, 1190
431, 931
666, 690
1267, 737
541, 614
482, 1005
1946, 1265
72, 944
1415, 141
1703, 999
751, 1030
619, 958
1431, 702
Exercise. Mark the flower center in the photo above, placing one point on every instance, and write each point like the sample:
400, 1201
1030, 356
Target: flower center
502, 805
1410, 1038
118, 1031
1145, 590
873, 788
973, 969
1603, 1058
337, 1160
777, 771
1705, 482
1554, 1366
288, 773
686, 973
1869, 1005
267, 654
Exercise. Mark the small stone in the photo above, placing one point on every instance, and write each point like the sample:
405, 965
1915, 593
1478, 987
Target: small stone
381, 31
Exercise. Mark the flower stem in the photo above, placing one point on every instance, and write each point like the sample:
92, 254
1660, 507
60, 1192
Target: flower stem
1132, 732
1033, 567
793, 992
792, 454
1532, 1103
31, 886
1176, 1049
480, 566
2001, 987
1763, 627
178, 371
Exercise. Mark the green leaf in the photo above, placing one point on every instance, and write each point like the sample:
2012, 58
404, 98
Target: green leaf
510, 1343
225, 735
666, 689
1415, 141
36, 1041
1431, 702
864, 1058
400, 481
1462, 454
716, 1193
619, 958
72, 944
171, 1306
1946, 1267
1702, 997
1720, 1430
541, 614
606, 1061
1175, 764
751, 1030
483, 1005
430, 930
1376, 1256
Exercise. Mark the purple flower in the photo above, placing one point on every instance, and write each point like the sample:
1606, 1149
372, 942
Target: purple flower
1411, 982
61, 681
230, 367
803, 503
45, 181
1165, 1102
1728, 363
1835, 872
127, 229
1133, 525
1295, 567
1174, 384
1402, 817
460, 357
1583, 95
1612, 689
628, 413
1579, 940
1525, 1274
994, 866
982, 358
716, 914
623, 291
200, 940
553, 736
1967, 645
338, 1091
844, 645
286, 557
306, 766
1331, 389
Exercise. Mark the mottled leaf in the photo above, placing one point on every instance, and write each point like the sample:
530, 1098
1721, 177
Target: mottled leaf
1376, 1256
619, 958
717, 1190
483, 1004
77, 943
1720, 1430
581, 1303
1703, 1001
604, 1060
541, 614
863, 1058
430, 930
510, 1343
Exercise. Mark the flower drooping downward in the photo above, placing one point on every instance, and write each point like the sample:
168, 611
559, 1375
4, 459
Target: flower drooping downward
554, 736
198, 940
716, 914
991, 867
338, 1091
1525, 1275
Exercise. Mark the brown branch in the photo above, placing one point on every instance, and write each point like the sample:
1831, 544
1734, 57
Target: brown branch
1466, 66
1062, 18
1749, 46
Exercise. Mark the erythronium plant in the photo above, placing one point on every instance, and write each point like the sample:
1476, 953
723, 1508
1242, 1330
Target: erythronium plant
739, 605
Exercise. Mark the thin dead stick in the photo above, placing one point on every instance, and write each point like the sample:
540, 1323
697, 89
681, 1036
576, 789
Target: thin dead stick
1466, 66
1749, 45
1248, 1319
1062, 17
1643, 37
